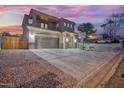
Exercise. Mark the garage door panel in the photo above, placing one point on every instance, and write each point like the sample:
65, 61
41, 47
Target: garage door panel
47, 42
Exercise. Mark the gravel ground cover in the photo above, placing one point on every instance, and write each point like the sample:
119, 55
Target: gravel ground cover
116, 80
22, 68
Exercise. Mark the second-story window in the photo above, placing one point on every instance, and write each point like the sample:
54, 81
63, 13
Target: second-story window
68, 25
46, 26
30, 21
42, 25
57, 25
64, 24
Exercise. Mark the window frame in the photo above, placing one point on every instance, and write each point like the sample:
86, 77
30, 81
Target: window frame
42, 25
46, 26
30, 21
65, 24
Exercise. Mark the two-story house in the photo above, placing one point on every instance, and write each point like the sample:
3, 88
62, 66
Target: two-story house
45, 31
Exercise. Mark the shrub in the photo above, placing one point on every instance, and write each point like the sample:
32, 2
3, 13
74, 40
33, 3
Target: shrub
91, 47
83, 47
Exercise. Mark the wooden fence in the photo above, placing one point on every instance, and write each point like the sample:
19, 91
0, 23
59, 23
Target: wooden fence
9, 42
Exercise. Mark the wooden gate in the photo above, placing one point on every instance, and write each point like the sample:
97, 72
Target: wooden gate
9, 42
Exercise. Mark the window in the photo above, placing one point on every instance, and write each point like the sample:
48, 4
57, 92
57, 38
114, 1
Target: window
42, 25
68, 25
64, 24
46, 26
30, 21
57, 25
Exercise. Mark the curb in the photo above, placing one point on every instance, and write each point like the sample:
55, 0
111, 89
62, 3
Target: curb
112, 71
90, 81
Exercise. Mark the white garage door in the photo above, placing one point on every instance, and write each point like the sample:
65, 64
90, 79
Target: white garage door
47, 42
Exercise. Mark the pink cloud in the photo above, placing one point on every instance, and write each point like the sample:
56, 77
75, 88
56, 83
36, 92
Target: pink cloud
2, 8
109, 7
19, 9
51, 9
11, 29
84, 14
70, 11
78, 8
25, 9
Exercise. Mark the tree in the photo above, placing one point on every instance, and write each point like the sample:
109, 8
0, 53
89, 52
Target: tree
105, 36
104, 27
118, 20
88, 28
5, 34
112, 24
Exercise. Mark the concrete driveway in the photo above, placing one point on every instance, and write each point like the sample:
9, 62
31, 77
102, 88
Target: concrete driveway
75, 62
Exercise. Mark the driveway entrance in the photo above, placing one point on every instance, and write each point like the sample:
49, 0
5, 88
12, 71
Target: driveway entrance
75, 62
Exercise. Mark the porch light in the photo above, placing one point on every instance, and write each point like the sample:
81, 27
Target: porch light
75, 40
67, 40
32, 36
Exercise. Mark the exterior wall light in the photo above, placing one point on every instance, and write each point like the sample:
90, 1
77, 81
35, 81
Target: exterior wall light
32, 36
79, 37
75, 40
67, 40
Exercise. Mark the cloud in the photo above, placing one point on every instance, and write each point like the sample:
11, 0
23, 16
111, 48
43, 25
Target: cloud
111, 7
70, 11
11, 29
66, 11
2, 8
20, 9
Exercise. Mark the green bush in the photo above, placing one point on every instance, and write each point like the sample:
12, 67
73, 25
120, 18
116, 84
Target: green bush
83, 47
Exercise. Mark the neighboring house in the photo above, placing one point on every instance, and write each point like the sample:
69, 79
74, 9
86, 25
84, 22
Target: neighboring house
46, 31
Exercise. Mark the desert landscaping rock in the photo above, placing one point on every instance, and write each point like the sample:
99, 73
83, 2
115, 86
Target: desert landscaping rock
22, 68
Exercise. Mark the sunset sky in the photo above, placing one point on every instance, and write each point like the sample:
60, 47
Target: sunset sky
11, 16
